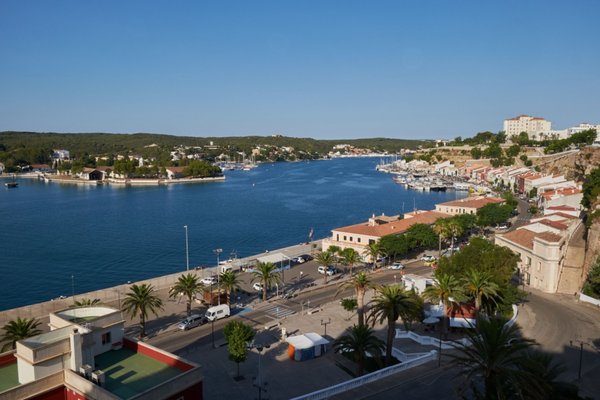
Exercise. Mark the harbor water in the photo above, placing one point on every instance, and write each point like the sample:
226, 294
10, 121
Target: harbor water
58, 239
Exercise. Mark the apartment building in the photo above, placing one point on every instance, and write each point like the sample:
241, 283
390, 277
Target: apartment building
542, 246
570, 197
359, 236
534, 126
86, 356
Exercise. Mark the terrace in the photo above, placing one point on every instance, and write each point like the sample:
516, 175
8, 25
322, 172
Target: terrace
9, 377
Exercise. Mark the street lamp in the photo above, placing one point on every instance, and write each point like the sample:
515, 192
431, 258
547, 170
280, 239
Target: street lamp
218, 252
259, 383
187, 252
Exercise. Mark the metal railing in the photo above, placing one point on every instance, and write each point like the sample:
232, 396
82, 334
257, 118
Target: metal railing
372, 377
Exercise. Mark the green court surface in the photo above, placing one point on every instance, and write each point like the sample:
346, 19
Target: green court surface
9, 377
129, 373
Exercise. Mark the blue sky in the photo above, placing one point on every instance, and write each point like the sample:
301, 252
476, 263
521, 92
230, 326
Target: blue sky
322, 69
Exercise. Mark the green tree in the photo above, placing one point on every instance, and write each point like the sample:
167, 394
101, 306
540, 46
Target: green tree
480, 284
389, 303
18, 329
422, 236
360, 283
446, 290
349, 258
513, 150
350, 305
139, 301
358, 343
476, 153
201, 169
265, 273
324, 259
591, 188
336, 253
86, 302
230, 282
442, 229
455, 230
187, 285
238, 336
373, 251
591, 287
493, 214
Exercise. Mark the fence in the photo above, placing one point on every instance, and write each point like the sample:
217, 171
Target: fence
372, 377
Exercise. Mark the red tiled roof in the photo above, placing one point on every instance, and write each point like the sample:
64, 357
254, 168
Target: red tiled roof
395, 227
565, 192
524, 237
565, 208
566, 216
554, 224
472, 202
175, 169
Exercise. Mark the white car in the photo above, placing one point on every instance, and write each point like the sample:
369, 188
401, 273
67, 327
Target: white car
396, 265
209, 280
330, 270
299, 260
258, 286
428, 258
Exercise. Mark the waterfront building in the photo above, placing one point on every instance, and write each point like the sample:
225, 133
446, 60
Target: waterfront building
61, 155
359, 236
550, 251
86, 356
569, 196
469, 205
174, 172
534, 126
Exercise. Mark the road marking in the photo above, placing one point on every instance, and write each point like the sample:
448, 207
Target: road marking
278, 311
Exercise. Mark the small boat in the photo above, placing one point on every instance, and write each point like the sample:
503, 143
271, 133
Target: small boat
12, 184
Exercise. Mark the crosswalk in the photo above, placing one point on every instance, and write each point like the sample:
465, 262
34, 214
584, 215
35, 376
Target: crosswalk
278, 311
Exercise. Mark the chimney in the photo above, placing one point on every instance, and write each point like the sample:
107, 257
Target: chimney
76, 352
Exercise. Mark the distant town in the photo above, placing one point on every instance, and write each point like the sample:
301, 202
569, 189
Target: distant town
496, 269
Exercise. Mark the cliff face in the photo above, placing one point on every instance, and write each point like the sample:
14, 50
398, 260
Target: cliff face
592, 251
574, 166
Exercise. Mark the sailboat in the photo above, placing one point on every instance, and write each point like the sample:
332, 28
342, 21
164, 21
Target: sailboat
12, 184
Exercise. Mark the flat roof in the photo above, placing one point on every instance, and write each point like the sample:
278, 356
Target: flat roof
48, 337
128, 373
9, 377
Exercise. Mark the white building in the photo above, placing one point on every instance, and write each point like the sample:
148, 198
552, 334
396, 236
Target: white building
534, 126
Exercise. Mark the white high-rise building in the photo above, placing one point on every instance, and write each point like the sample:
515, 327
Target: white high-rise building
534, 126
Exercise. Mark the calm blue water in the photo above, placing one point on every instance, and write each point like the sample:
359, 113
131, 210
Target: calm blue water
109, 235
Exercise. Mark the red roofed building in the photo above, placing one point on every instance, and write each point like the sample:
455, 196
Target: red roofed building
542, 246
468, 205
359, 236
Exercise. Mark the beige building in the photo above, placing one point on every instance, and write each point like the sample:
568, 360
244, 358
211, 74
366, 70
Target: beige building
534, 126
468, 205
359, 236
542, 246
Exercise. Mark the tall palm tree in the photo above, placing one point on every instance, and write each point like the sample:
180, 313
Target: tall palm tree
324, 258
349, 258
373, 251
389, 303
230, 282
493, 361
480, 284
187, 285
18, 329
360, 283
454, 230
441, 228
336, 252
446, 289
141, 300
359, 342
265, 273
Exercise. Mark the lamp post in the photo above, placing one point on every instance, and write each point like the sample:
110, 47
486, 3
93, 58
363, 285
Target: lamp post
218, 252
325, 323
259, 383
581, 343
187, 252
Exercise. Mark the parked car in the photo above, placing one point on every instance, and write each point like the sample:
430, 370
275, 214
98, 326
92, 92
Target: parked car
190, 322
299, 260
329, 270
396, 265
209, 280
258, 286
428, 258
217, 312
502, 226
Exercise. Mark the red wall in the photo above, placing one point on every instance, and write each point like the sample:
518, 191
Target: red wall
54, 394
142, 349
73, 395
191, 393
7, 359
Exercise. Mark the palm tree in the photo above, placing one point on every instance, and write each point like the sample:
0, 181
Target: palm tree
479, 284
373, 251
139, 301
446, 290
230, 282
265, 273
336, 252
18, 329
324, 258
86, 302
441, 229
359, 342
349, 258
187, 285
389, 304
360, 283
454, 230
492, 362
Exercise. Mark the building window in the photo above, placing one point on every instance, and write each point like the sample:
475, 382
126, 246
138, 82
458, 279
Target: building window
345, 238
337, 237
539, 268
350, 238
106, 338
371, 241
358, 240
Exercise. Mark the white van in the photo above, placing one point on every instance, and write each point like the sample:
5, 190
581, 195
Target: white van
217, 312
191, 322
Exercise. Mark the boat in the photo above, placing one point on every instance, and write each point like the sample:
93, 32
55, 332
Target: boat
12, 184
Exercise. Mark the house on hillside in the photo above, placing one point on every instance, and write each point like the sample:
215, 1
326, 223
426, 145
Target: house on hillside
175, 172
91, 174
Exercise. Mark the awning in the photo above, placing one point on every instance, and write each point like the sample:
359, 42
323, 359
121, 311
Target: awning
273, 258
